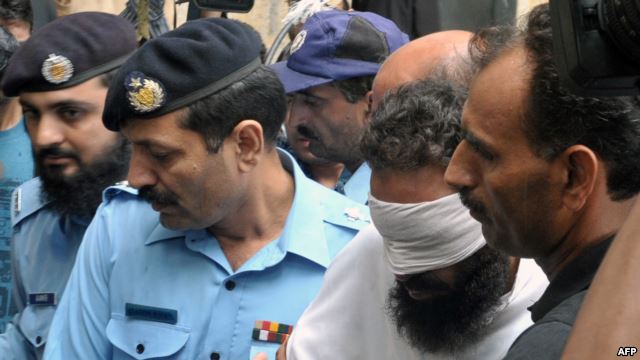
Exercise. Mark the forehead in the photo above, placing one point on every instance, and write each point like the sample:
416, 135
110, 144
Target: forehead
497, 102
161, 130
412, 186
90, 91
325, 91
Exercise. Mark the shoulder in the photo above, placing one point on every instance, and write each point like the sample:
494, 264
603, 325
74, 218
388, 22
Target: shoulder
26, 200
546, 338
341, 211
119, 190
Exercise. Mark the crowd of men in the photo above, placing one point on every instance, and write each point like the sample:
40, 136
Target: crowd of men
442, 198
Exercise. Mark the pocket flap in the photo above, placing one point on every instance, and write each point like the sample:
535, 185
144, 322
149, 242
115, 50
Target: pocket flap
143, 339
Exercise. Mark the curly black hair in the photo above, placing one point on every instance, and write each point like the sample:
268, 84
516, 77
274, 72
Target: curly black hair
555, 118
415, 126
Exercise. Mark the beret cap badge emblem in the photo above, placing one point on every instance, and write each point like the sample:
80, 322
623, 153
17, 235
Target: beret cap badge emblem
144, 94
57, 69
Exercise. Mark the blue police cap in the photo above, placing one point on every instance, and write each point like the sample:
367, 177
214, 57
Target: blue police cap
180, 67
68, 51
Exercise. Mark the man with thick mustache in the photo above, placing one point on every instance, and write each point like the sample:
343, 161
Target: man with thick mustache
61, 75
232, 241
550, 175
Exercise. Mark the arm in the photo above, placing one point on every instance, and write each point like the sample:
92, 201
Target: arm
79, 326
609, 316
13, 345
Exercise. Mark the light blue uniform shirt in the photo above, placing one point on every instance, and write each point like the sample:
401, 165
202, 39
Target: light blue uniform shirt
357, 187
16, 167
43, 252
184, 301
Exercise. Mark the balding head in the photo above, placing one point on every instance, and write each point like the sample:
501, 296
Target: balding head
441, 51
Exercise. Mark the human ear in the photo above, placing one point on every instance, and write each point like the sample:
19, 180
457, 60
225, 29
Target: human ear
249, 144
582, 167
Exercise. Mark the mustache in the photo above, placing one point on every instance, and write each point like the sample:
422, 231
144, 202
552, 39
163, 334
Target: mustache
306, 132
420, 282
150, 194
57, 152
470, 203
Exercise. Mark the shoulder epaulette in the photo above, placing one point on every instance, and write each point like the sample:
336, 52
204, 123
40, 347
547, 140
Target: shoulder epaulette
26, 199
116, 189
342, 211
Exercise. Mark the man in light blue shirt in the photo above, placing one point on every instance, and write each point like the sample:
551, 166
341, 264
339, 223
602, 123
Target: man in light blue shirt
329, 75
16, 167
221, 242
61, 77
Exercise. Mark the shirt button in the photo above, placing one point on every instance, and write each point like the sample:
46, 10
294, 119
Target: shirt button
230, 285
38, 339
140, 348
214, 356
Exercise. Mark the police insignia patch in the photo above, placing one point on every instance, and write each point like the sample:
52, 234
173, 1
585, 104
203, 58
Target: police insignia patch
144, 93
57, 69
298, 41
355, 214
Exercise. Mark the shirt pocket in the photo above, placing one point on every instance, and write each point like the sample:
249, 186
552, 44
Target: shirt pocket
263, 347
34, 323
141, 339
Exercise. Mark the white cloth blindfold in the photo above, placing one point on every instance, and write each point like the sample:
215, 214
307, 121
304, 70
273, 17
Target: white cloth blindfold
426, 236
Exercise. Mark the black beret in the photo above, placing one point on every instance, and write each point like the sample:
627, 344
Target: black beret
180, 67
68, 51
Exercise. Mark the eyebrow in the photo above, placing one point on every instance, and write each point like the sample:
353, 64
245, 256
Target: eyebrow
307, 93
62, 103
474, 141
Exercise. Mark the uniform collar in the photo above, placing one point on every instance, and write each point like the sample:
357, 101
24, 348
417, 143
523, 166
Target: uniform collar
303, 233
357, 187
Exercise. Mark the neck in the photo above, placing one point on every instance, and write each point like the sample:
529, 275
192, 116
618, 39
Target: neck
600, 219
10, 114
261, 216
326, 174
514, 264
353, 166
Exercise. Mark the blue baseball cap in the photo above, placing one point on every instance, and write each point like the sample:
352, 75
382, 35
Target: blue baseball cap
338, 45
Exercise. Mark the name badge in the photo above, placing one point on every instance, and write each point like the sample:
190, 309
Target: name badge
42, 299
150, 313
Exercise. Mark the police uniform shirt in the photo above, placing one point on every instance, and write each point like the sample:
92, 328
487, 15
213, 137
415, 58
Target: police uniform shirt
43, 251
139, 290
357, 187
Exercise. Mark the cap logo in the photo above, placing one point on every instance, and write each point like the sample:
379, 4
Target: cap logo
144, 93
57, 69
298, 41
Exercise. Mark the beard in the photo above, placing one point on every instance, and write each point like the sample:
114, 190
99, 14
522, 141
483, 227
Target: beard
80, 194
450, 323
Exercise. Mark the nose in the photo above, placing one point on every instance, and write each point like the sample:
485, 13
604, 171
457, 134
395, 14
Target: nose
46, 132
459, 172
298, 111
140, 173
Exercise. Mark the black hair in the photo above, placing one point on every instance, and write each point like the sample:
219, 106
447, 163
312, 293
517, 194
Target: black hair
16, 10
555, 118
259, 96
354, 89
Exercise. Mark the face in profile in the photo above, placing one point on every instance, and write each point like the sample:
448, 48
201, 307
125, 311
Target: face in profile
331, 124
176, 173
511, 190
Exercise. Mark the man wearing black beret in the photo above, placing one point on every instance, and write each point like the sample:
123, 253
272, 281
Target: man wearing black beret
221, 241
61, 76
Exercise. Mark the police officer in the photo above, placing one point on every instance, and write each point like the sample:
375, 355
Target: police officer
222, 242
61, 76
329, 75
